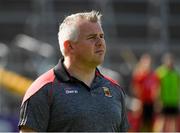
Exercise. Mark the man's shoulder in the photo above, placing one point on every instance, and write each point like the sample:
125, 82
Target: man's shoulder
44, 78
112, 81
109, 76
41, 81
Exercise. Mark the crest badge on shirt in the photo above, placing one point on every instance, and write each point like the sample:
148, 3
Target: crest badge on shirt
107, 92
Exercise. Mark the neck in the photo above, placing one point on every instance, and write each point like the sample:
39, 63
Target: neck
83, 73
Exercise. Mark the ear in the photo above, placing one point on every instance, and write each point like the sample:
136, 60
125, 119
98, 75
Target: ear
68, 46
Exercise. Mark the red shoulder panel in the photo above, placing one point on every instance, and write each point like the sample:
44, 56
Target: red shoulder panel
111, 80
108, 78
38, 84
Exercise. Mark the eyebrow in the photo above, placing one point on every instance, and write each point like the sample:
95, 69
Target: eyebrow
93, 35
90, 36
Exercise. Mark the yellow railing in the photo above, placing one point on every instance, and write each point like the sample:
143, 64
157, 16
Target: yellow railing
14, 82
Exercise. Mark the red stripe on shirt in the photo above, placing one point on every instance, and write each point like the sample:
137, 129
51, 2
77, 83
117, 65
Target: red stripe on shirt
38, 84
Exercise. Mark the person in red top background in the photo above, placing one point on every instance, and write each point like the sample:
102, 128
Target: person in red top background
145, 87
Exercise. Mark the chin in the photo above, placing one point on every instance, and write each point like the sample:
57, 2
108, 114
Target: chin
99, 62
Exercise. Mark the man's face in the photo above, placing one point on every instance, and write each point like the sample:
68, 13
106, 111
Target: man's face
90, 47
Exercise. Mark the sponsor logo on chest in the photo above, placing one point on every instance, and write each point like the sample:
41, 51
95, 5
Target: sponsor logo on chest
71, 91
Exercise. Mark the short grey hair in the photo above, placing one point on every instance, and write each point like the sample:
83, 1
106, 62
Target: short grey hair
68, 29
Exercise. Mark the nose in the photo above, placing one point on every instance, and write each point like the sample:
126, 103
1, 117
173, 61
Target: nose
99, 41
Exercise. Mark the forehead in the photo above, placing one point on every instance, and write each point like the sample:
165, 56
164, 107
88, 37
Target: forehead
87, 27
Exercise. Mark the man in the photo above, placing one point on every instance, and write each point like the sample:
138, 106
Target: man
169, 96
145, 84
75, 96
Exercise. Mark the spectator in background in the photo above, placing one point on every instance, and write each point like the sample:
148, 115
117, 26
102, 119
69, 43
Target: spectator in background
74, 96
145, 85
169, 95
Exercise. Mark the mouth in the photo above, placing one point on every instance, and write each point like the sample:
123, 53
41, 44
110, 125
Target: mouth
99, 51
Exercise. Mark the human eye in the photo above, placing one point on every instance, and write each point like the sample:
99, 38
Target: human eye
101, 35
91, 37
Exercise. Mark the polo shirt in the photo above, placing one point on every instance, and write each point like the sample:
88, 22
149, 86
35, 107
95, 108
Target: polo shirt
56, 101
170, 86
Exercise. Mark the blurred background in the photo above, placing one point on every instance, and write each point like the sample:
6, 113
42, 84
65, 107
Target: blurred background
29, 46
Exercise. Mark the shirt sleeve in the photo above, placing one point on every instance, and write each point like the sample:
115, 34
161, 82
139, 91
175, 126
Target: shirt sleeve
34, 113
124, 124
